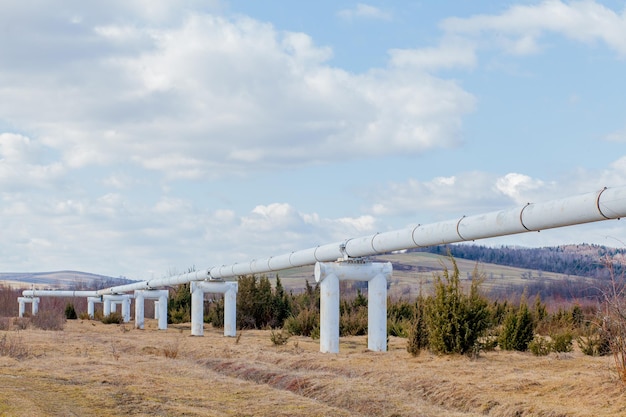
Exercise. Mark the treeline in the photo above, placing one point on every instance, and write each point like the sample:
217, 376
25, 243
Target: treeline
582, 260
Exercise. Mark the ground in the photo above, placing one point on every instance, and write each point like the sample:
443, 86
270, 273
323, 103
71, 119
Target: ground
93, 369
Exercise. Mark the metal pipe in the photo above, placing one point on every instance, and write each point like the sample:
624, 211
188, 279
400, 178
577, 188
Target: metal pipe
59, 293
608, 203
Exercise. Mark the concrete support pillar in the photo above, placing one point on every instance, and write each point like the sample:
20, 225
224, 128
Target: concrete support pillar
34, 301
377, 313
22, 302
163, 297
160, 299
230, 310
126, 309
111, 301
197, 309
328, 274
229, 289
139, 310
329, 313
91, 301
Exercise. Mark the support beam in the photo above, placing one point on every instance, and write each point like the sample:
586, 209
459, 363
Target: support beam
22, 301
160, 302
91, 301
229, 289
377, 274
111, 301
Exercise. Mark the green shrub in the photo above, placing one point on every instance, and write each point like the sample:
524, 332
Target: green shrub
456, 320
279, 338
179, 306
215, 315
353, 322
539, 346
418, 331
594, 342
113, 318
398, 328
561, 342
70, 312
518, 328
306, 323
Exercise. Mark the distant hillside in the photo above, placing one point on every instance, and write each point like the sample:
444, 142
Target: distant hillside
575, 260
74, 280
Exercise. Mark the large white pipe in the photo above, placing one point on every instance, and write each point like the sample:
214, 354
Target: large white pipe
608, 203
59, 293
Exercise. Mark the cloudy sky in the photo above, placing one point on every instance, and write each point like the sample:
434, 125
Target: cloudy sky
143, 137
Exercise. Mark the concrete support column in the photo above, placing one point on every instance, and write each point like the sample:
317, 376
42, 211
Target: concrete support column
106, 308
139, 310
197, 309
229, 289
35, 306
91, 301
160, 299
126, 309
111, 301
329, 313
22, 302
34, 301
230, 310
377, 313
328, 274
162, 310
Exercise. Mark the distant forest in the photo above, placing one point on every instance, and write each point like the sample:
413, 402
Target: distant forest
582, 260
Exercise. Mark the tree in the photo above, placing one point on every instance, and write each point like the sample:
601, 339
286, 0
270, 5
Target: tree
179, 306
518, 328
456, 320
418, 333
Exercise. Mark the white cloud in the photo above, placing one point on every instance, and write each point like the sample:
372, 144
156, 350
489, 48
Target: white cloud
204, 94
618, 136
451, 53
467, 193
517, 186
364, 11
22, 163
520, 27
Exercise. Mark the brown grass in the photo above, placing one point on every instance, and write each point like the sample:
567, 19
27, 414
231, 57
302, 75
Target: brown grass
92, 369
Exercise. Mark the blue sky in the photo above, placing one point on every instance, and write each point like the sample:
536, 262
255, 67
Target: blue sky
139, 138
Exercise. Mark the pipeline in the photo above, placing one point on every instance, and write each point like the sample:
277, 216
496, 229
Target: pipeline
606, 204
59, 293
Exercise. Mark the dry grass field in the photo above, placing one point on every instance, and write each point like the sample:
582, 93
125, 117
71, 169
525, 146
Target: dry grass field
93, 369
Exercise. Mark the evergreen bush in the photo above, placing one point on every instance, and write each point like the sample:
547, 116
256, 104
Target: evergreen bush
456, 320
70, 312
539, 346
518, 328
562, 342
418, 332
113, 318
